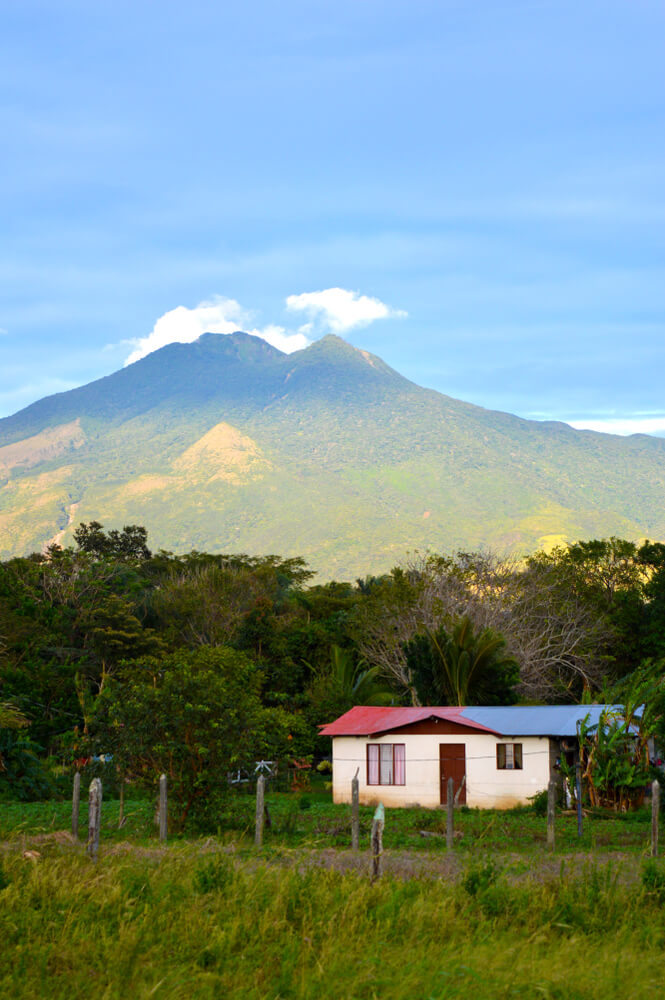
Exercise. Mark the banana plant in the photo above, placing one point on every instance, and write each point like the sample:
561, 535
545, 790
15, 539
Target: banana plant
615, 751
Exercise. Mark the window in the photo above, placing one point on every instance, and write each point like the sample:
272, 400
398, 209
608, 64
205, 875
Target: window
386, 764
509, 756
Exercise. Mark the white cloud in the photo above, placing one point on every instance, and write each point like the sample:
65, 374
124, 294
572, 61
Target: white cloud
340, 310
217, 315
623, 425
333, 309
282, 339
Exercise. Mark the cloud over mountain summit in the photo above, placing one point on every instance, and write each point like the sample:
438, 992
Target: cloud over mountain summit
335, 310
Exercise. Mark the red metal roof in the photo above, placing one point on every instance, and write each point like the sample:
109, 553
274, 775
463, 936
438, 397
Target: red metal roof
366, 720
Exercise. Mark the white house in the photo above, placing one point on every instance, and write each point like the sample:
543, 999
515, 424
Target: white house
497, 757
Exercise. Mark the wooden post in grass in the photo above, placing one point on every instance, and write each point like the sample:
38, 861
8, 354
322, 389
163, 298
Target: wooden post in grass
355, 813
551, 805
578, 796
121, 800
377, 840
94, 817
655, 811
260, 809
163, 809
450, 816
76, 801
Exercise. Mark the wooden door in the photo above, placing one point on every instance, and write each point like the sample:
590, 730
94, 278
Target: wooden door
452, 764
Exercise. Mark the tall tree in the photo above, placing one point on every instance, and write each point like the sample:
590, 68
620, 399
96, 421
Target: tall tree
130, 544
551, 632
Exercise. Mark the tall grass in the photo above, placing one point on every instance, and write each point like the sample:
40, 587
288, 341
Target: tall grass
183, 923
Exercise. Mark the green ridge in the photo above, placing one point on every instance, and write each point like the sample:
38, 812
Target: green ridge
329, 454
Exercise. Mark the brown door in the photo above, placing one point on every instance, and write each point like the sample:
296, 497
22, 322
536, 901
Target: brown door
452, 764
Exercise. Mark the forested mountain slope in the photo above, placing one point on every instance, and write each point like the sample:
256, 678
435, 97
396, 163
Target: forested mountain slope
227, 444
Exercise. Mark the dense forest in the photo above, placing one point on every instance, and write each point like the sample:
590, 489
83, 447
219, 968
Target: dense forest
200, 664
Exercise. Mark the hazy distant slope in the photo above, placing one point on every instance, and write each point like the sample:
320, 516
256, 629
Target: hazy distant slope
228, 444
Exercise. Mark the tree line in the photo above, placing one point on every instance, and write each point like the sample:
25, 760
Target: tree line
199, 664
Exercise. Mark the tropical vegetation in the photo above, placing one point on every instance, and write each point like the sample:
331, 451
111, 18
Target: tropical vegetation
199, 664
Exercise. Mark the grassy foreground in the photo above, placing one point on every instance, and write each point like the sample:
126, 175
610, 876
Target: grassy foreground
215, 918
194, 922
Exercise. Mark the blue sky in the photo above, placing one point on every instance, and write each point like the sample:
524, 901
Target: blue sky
475, 192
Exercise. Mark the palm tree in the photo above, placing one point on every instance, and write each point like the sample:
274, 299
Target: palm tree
460, 668
356, 682
344, 683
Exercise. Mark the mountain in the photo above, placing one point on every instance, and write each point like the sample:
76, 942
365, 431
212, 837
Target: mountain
227, 444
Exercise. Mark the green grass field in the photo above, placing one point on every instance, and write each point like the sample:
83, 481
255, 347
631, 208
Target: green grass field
214, 917
310, 819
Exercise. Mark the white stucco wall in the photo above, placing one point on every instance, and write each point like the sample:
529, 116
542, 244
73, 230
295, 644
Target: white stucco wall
487, 787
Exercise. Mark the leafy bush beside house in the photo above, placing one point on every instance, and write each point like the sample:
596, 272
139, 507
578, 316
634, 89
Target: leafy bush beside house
194, 716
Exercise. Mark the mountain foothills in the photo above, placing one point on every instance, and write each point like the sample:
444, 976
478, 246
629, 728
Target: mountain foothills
229, 445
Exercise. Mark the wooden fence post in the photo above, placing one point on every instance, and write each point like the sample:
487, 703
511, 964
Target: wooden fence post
76, 799
260, 809
578, 796
655, 813
163, 809
459, 791
450, 816
551, 806
377, 840
121, 801
355, 813
94, 817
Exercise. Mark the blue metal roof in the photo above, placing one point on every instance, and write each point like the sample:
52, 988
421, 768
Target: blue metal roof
535, 720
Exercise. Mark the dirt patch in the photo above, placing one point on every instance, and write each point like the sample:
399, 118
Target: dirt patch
517, 869
41, 447
57, 539
223, 453
146, 484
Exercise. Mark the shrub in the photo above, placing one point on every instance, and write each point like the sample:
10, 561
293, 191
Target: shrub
22, 775
539, 802
196, 716
479, 877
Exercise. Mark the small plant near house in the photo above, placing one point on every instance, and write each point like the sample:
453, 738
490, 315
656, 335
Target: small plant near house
539, 802
289, 821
